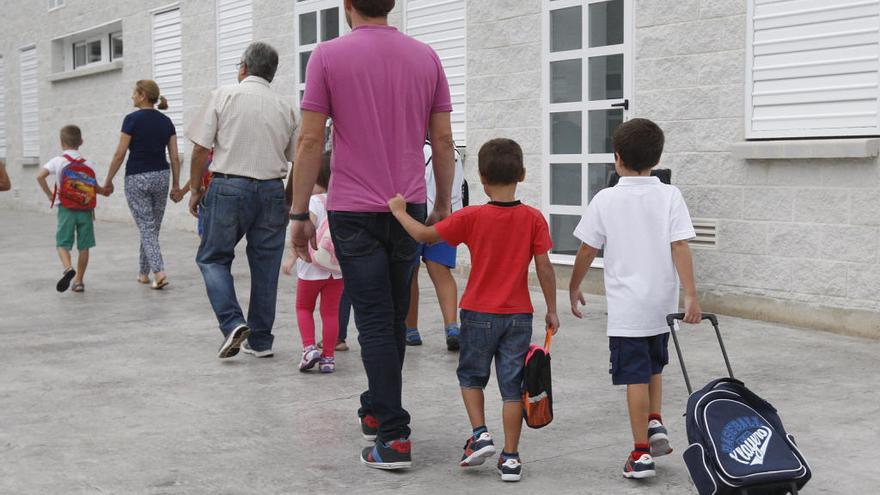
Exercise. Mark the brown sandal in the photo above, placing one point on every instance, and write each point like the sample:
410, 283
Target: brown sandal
144, 281
78, 287
159, 284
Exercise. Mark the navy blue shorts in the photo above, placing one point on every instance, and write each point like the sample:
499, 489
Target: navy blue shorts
635, 359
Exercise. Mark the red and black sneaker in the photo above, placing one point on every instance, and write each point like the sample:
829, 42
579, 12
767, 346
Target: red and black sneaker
369, 427
390, 456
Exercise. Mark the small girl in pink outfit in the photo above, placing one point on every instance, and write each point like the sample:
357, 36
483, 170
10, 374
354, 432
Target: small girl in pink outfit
312, 282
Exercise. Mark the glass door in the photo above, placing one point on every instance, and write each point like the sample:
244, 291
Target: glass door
587, 90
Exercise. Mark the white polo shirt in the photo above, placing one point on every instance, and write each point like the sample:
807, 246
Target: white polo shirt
636, 222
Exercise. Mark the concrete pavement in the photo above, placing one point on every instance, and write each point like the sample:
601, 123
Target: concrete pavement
119, 391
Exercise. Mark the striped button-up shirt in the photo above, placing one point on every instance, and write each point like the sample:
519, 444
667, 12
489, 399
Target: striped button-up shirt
251, 129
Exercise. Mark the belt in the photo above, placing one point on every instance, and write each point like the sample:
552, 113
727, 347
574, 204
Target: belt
215, 175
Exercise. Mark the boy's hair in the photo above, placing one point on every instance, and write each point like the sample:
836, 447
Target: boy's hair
501, 162
373, 8
639, 144
324, 173
71, 136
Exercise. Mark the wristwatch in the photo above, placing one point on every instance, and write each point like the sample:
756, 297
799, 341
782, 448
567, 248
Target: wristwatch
299, 217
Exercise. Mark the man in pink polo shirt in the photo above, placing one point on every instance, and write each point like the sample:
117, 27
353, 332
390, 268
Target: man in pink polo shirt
384, 91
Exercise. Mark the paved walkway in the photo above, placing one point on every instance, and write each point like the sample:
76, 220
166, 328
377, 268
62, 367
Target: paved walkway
118, 391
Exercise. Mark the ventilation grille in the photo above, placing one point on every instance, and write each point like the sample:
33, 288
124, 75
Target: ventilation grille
706, 233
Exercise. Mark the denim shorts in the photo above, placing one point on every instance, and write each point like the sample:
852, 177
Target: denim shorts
505, 338
635, 359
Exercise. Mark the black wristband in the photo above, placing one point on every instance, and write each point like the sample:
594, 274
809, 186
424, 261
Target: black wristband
299, 217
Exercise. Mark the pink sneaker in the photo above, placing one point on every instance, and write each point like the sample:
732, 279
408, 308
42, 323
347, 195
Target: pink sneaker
311, 356
327, 365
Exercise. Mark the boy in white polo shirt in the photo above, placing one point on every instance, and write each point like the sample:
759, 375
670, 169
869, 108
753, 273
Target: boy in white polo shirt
643, 226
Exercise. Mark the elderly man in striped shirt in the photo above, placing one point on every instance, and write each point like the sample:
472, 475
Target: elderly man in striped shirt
251, 130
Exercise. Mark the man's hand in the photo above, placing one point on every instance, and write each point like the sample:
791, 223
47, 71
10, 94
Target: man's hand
397, 204
552, 320
438, 214
302, 233
577, 298
194, 198
692, 311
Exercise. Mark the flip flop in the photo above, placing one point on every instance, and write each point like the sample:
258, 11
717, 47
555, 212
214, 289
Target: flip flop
80, 287
64, 283
159, 284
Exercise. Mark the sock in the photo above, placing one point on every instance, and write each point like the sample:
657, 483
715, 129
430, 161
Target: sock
452, 326
639, 450
508, 455
655, 416
479, 431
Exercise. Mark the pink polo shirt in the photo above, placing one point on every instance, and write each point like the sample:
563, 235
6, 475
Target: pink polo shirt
380, 87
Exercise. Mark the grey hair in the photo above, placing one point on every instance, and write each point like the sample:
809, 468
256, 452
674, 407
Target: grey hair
261, 60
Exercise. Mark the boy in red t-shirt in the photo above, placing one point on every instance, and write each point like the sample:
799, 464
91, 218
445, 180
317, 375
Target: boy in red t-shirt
496, 311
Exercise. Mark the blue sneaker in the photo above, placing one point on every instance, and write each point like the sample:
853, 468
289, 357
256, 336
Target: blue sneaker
477, 450
394, 455
643, 467
510, 468
659, 439
453, 335
413, 337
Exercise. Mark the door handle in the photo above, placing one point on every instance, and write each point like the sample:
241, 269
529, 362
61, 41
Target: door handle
624, 104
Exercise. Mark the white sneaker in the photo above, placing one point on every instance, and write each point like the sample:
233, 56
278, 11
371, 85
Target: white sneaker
658, 437
233, 341
327, 365
311, 356
246, 348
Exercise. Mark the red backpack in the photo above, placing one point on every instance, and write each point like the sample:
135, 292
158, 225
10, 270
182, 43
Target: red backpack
537, 398
77, 187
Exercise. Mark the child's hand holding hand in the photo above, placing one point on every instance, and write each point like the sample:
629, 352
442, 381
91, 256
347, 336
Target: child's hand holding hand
397, 204
576, 297
287, 267
552, 320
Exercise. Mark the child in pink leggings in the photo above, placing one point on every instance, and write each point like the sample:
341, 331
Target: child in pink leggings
314, 281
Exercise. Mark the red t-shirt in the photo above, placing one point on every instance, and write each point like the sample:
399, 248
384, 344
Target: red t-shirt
502, 238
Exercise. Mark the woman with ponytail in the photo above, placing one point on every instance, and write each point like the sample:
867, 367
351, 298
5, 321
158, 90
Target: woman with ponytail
146, 134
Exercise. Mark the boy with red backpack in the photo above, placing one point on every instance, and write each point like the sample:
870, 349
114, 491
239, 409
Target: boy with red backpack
75, 196
322, 277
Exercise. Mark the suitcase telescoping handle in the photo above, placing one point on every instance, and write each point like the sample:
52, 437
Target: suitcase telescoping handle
670, 320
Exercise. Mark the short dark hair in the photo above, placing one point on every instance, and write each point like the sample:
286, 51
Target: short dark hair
71, 135
639, 144
324, 172
501, 162
373, 8
261, 60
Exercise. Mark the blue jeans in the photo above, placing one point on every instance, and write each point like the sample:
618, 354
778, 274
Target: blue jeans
506, 339
257, 210
376, 256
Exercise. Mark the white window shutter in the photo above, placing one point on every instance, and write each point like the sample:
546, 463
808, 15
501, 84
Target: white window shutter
442, 24
813, 68
234, 33
167, 66
2, 107
30, 106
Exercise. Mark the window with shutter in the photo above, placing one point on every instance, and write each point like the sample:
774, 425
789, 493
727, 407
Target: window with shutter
2, 107
30, 108
442, 24
167, 67
235, 32
812, 68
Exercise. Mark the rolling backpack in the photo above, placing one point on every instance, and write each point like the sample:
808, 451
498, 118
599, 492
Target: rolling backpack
738, 444
537, 398
325, 256
77, 188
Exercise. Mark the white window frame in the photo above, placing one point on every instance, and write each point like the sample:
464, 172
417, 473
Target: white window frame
71, 46
307, 7
176, 106
110, 37
790, 133
55, 4
584, 106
